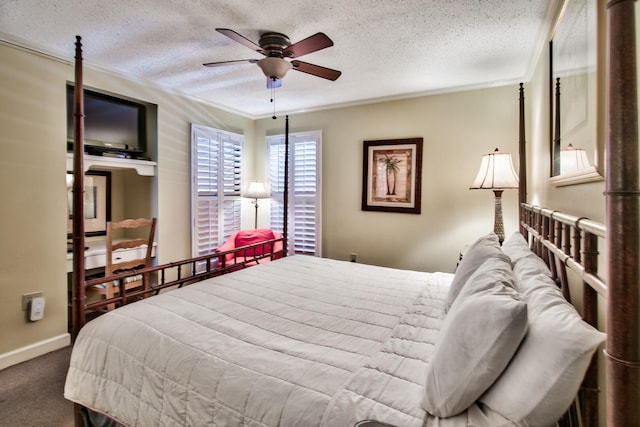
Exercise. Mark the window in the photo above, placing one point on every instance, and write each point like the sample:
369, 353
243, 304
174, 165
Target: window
304, 190
216, 173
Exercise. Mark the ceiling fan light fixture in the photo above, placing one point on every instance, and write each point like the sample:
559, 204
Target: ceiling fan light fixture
274, 67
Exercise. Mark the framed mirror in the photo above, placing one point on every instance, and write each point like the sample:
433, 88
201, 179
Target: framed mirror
576, 86
97, 203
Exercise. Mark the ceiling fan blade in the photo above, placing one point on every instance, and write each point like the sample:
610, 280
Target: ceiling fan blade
221, 63
313, 43
240, 39
316, 70
273, 83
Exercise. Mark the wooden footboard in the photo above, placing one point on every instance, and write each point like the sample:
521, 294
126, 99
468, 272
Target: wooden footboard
180, 273
569, 242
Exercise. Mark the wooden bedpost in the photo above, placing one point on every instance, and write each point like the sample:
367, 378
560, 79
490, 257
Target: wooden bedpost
78, 275
285, 225
77, 233
622, 219
522, 170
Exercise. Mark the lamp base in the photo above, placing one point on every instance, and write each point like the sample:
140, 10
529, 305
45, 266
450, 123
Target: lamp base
498, 226
255, 202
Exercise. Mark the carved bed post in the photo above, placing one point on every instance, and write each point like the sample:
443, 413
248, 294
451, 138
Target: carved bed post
522, 170
285, 225
78, 275
622, 219
77, 233
555, 153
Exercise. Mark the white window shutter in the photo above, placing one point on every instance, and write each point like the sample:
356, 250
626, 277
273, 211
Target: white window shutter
216, 159
304, 195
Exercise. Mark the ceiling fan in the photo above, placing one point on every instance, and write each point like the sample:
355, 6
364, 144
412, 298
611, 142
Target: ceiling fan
276, 47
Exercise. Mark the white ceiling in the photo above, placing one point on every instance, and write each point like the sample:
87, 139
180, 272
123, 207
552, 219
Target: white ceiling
386, 49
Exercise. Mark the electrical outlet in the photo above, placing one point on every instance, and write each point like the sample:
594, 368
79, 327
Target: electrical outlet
36, 311
26, 299
354, 257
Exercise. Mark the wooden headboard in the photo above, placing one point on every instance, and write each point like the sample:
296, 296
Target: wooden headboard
570, 243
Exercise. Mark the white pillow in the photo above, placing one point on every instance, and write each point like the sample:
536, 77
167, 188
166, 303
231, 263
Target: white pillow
493, 272
479, 336
525, 262
529, 266
544, 376
482, 249
515, 247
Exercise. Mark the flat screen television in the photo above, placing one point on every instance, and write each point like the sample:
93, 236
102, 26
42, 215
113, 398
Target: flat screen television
111, 124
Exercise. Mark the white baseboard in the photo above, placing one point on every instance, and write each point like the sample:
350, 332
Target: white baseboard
34, 350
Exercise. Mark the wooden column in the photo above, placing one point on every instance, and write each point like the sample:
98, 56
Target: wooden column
622, 219
285, 225
555, 150
522, 161
78, 275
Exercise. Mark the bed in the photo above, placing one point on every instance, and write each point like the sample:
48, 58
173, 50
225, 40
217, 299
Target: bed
309, 341
305, 341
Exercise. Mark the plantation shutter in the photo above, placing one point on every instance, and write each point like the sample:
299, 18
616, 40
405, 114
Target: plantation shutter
304, 190
216, 171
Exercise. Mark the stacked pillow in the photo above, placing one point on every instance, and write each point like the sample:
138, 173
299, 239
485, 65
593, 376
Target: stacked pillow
510, 340
482, 249
483, 328
524, 262
545, 374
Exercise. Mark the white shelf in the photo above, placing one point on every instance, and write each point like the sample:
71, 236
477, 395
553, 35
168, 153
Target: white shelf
142, 167
96, 252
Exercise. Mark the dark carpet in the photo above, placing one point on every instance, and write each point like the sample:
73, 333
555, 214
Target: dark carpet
31, 393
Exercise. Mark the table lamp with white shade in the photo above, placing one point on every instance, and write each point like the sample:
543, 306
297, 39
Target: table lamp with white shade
573, 159
496, 173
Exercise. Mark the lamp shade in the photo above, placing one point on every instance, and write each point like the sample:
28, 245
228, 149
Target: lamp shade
573, 159
274, 67
496, 172
257, 190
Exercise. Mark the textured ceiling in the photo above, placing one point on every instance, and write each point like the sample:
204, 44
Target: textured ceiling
386, 49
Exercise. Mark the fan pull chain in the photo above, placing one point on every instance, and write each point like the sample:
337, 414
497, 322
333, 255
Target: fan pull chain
273, 99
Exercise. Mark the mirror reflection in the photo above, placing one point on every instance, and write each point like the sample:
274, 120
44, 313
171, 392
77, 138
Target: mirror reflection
573, 72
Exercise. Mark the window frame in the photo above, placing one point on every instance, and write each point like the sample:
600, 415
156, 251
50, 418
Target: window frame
225, 205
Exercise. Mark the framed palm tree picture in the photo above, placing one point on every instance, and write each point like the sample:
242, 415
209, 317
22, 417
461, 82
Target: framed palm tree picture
391, 175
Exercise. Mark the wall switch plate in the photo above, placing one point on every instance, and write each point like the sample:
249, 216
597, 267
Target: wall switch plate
26, 299
36, 312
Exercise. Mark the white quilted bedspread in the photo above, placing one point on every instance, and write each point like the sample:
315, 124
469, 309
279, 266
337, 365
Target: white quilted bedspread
301, 341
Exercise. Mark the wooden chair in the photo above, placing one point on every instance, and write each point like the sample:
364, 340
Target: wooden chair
137, 255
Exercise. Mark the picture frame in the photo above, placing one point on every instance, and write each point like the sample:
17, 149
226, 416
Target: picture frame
392, 175
97, 202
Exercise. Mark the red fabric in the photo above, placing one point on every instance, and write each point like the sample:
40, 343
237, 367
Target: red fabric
249, 237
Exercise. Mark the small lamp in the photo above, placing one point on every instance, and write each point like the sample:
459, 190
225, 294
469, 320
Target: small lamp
257, 190
573, 159
496, 173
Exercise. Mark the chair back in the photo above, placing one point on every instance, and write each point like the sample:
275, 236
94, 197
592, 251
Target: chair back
138, 233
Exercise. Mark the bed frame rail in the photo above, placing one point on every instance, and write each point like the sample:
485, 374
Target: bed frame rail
180, 273
567, 242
